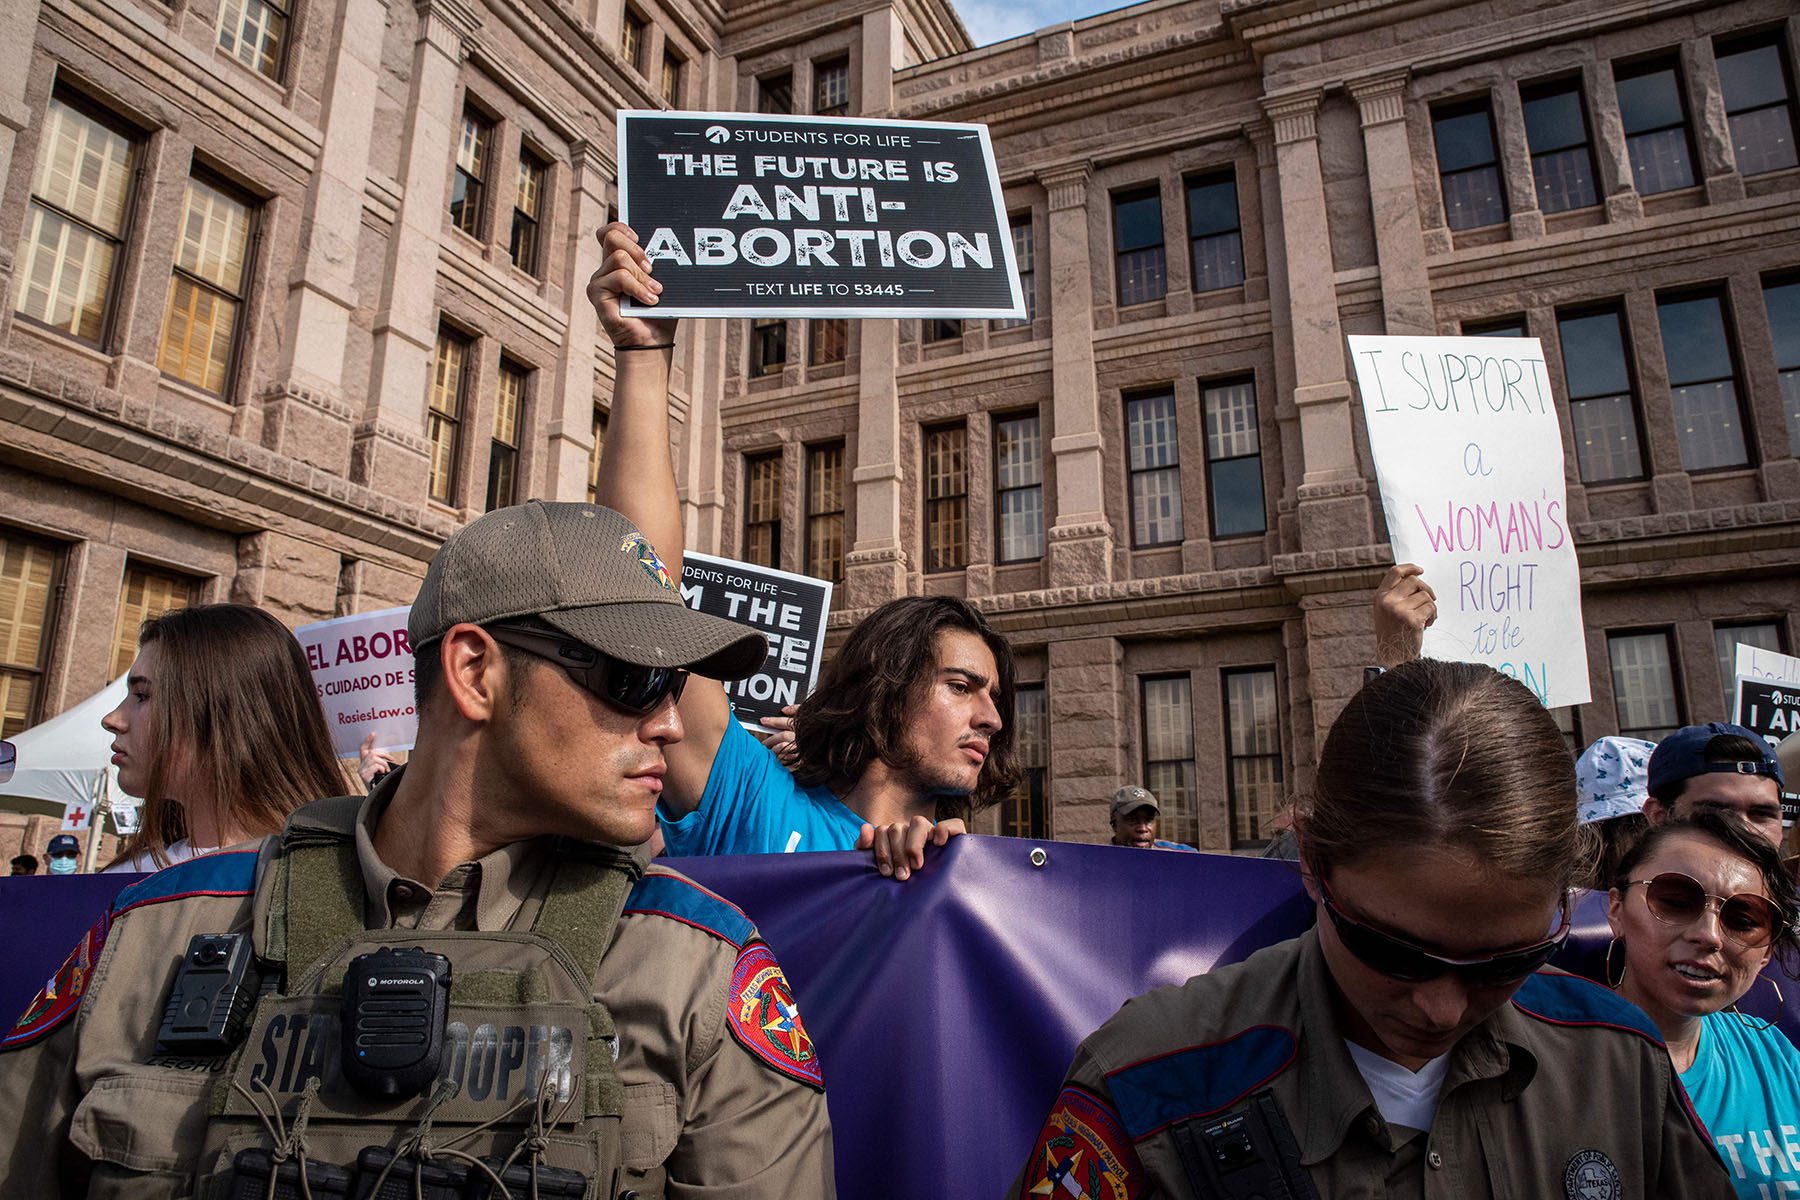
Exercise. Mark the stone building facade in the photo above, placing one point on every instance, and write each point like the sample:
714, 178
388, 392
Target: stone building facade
293, 289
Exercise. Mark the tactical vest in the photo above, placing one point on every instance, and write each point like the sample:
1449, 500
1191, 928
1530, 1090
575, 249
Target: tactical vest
528, 1070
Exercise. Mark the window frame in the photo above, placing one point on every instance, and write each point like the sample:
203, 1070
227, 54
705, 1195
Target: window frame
136, 142
500, 450
529, 160
440, 418
1740, 43
1025, 259
1134, 195
767, 333
1667, 633
47, 624
814, 517
598, 432
1198, 181
1720, 295
1728, 665
252, 205
1207, 388
1133, 474
1640, 68
672, 76
933, 560
277, 74
1456, 110
764, 84
1616, 308
836, 347
1226, 675
1787, 375
1168, 804
1026, 812
1546, 89
125, 631
822, 67
634, 38
475, 189
1000, 492
754, 461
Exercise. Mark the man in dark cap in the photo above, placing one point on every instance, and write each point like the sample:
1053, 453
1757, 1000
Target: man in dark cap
462, 978
1716, 768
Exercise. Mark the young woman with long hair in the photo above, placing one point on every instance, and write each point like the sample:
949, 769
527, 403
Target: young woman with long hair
220, 733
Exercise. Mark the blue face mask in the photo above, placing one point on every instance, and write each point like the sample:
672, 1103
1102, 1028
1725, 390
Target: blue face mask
64, 865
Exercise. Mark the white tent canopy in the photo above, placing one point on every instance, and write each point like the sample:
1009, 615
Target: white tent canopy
63, 760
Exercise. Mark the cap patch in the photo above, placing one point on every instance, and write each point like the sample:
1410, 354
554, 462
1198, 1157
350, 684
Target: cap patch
764, 1017
647, 559
58, 999
1082, 1151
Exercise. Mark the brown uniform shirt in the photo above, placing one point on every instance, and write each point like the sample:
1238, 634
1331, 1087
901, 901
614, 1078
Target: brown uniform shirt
1565, 1093
84, 1096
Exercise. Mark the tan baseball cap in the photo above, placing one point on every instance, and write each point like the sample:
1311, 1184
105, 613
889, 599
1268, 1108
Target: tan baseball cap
586, 571
1130, 799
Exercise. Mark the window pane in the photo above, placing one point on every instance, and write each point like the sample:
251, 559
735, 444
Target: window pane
1231, 420
1650, 100
1726, 640
1237, 497
1018, 459
1156, 507
253, 32
775, 95
1024, 254
825, 511
1594, 354
27, 575
471, 171
1465, 138
831, 87
1644, 685
198, 327
1655, 128
66, 275
1137, 220
1019, 477
1708, 422
1783, 303
215, 236
593, 483
1751, 77
1150, 429
1472, 199
1554, 120
1606, 439
946, 492
147, 594
828, 341
762, 509
1253, 750
75, 221
84, 168
443, 423
768, 346
1212, 206
1168, 716
1025, 813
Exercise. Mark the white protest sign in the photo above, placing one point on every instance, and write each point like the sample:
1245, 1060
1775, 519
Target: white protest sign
362, 667
1470, 461
1766, 701
1766, 666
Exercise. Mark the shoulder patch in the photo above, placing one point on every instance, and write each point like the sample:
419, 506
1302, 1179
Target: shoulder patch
1082, 1151
1558, 999
60, 997
764, 1017
681, 899
232, 873
1197, 1081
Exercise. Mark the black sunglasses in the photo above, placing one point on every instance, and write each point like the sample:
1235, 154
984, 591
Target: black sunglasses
637, 690
1677, 899
1400, 959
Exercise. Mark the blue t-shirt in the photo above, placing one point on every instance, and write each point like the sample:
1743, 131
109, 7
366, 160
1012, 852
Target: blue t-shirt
752, 805
1162, 845
1745, 1085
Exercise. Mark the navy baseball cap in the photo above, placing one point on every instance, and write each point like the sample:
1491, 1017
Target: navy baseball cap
63, 843
1682, 755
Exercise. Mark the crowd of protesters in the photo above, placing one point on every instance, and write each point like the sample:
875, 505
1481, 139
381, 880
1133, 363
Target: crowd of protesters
1414, 1041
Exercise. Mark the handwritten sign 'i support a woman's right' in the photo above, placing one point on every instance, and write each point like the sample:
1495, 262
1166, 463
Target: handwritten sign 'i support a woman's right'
1470, 462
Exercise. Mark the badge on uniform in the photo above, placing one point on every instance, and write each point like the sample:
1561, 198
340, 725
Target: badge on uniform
1082, 1152
1591, 1175
57, 1001
763, 1016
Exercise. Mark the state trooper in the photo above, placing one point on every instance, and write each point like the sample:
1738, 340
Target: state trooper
460, 985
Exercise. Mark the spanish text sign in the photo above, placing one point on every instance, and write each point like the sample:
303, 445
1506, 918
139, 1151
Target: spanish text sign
745, 215
1470, 460
789, 610
362, 667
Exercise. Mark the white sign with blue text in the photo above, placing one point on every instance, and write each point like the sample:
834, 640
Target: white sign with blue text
1469, 456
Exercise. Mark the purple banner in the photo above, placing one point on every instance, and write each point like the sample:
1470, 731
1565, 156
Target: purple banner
945, 1008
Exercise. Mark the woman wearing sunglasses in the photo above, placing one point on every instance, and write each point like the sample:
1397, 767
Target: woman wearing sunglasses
1701, 906
1407, 1044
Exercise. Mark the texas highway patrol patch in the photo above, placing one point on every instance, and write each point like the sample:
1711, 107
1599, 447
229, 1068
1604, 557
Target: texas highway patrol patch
763, 1016
59, 998
1591, 1175
1082, 1153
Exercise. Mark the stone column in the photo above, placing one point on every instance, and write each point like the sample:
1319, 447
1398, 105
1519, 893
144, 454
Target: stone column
1616, 182
1514, 152
704, 370
1333, 498
569, 423
1712, 129
1287, 416
390, 449
1080, 543
1399, 246
15, 78
305, 412
1090, 699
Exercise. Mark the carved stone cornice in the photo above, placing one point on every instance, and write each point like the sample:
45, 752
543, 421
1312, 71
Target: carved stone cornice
448, 24
1295, 118
1261, 135
1382, 98
1067, 186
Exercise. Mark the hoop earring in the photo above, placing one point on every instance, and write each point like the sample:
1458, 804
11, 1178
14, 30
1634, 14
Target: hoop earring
1606, 966
1758, 1024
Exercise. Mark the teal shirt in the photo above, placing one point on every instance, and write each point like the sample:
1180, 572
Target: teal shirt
752, 805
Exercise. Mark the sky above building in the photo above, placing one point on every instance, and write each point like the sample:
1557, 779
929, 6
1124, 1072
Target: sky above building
991, 21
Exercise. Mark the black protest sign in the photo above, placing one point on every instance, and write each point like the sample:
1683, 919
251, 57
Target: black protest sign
788, 610
1771, 710
746, 215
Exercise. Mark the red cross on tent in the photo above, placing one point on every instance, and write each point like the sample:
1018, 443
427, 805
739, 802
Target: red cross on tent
77, 816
